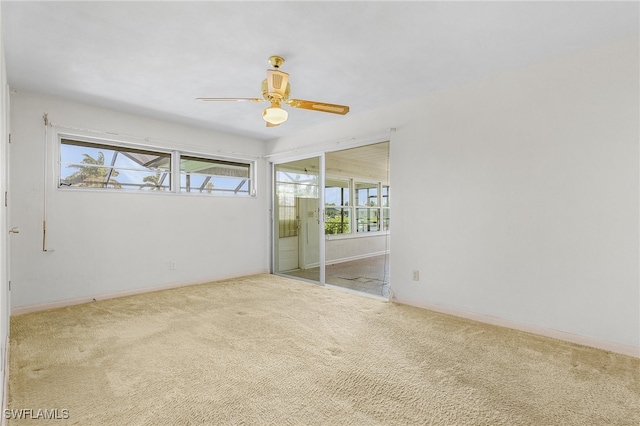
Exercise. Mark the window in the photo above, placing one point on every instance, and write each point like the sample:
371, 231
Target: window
367, 208
370, 210
204, 175
93, 165
385, 208
337, 207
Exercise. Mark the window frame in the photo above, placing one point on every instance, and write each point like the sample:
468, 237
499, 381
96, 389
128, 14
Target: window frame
174, 172
342, 207
251, 166
367, 207
383, 212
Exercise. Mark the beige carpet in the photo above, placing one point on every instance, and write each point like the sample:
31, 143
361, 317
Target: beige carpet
267, 350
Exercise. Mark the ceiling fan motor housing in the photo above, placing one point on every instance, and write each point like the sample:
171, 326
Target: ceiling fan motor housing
277, 84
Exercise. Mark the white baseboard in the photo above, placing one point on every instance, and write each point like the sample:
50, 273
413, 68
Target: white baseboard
70, 302
542, 331
352, 258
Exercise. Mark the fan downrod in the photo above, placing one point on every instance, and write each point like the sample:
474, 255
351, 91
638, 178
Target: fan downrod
276, 61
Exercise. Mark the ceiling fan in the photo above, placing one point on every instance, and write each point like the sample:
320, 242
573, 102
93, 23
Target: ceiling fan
276, 90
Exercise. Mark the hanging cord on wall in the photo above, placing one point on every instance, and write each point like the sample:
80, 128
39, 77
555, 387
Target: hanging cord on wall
45, 117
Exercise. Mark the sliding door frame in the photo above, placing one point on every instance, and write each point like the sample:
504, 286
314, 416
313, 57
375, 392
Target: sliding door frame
318, 150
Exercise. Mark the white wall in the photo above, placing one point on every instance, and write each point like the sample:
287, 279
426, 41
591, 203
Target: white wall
516, 197
110, 242
4, 273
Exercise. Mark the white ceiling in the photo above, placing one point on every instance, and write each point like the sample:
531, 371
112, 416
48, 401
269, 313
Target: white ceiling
155, 58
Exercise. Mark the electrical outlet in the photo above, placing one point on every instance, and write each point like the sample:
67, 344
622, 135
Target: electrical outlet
172, 265
416, 275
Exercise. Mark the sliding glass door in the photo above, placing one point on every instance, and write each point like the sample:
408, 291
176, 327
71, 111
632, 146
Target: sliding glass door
331, 219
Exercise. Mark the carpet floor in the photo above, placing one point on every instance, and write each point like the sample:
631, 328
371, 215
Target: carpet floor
269, 350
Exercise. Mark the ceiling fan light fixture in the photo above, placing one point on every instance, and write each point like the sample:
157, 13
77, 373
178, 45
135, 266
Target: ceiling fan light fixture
275, 115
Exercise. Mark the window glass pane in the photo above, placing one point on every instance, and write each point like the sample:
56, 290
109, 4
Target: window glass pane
298, 190
207, 184
302, 178
368, 220
385, 196
297, 184
366, 194
288, 219
209, 176
294, 181
386, 215
91, 165
336, 193
337, 221
213, 167
235, 185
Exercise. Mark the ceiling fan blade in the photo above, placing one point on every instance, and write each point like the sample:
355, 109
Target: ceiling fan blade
318, 106
232, 99
272, 125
